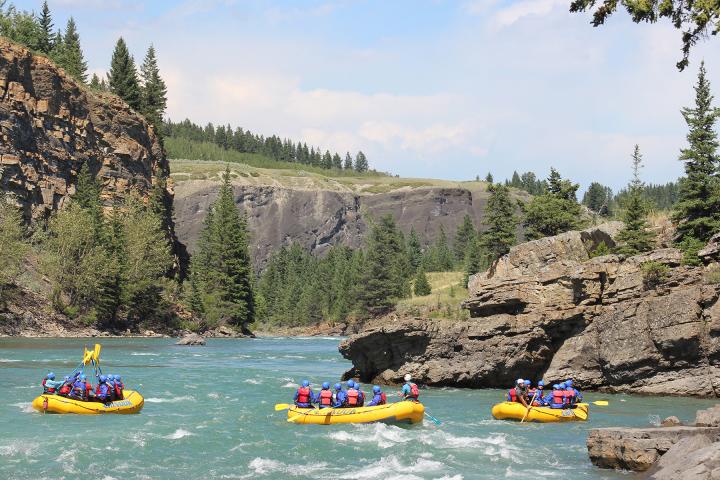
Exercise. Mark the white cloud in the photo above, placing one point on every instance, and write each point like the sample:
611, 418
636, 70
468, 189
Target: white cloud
509, 15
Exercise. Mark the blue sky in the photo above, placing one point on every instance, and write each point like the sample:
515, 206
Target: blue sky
447, 89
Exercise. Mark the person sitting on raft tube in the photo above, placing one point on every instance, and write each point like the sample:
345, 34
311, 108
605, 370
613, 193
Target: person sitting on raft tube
81, 388
66, 387
517, 393
119, 387
50, 385
103, 392
324, 398
304, 395
361, 395
559, 398
352, 396
339, 396
379, 397
576, 393
410, 390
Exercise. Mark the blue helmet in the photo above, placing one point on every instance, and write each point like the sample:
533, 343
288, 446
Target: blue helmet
117, 378
305, 383
103, 379
556, 386
325, 385
67, 379
51, 376
527, 382
376, 389
563, 385
357, 386
338, 386
350, 383
569, 383
541, 383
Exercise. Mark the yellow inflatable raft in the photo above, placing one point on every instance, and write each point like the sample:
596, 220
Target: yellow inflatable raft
400, 412
515, 411
132, 402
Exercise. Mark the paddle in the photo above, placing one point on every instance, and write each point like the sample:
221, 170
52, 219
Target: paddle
281, 406
580, 413
529, 407
600, 403
435, 420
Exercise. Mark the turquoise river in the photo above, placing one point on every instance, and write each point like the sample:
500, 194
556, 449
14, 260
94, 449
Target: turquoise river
209, 414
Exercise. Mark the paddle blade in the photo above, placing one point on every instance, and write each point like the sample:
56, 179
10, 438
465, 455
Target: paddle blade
601, 403
580, 413
281, 406
96, 353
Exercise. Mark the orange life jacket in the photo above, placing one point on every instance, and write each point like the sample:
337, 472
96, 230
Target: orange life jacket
303, 395
352, 397
325, 398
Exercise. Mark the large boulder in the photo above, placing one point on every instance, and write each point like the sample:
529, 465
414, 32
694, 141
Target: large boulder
710, 417
191, 339
696, 457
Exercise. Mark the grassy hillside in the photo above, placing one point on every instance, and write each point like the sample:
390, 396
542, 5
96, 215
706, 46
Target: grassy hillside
443, 302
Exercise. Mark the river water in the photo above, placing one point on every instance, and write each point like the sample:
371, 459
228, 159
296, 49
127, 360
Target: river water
209, 414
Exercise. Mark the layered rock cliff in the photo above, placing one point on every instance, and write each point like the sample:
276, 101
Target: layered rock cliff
548, 310
50, 126
319, 216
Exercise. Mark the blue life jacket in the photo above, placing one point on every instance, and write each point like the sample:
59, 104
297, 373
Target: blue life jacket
340, 397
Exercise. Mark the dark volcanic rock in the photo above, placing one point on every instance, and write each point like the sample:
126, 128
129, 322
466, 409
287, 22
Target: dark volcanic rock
548, 310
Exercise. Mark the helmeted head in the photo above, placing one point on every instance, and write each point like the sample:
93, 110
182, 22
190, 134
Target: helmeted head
357, 386
83, 377
67, 379
351, 384
556, 386
563, 385
338, 386
305, 383
520, 382
51, 376
527, 383
117, 378
103, 379
569, 383
407, 377
541, 384
325, 385
376, 389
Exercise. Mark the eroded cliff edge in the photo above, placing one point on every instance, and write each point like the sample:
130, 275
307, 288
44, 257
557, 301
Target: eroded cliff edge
549, 310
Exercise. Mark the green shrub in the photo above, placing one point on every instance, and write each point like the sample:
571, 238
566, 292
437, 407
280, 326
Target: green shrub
600, 250
654, 274
712, 275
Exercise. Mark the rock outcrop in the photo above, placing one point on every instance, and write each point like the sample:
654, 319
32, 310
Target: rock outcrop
191, 339
549, 310
50, 126
319, 218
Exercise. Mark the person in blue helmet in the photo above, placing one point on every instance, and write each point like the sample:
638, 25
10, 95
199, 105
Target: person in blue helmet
351, 395
50, 385
340, 396
110, 381
324, 398
577, 396
379, 398
81, 388
540, 398
304, 395
557, 399
361, 395
102, 393
119, 387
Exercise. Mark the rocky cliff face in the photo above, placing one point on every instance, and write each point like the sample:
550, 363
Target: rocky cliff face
50, 126
318, 219
548, 310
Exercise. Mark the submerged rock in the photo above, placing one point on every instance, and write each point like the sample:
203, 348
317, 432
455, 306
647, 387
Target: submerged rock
549, 310
671, 421
191, 339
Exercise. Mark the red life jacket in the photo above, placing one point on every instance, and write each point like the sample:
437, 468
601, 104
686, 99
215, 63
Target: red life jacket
47, 389
118, 391
558, 397
303, 395
65, 389
352, 397
569, 396
513, 395
530, 393
383, 398
414, 391
325, 398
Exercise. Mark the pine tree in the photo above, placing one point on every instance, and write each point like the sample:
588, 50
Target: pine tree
361, 163
598, 198
501, 222
348, 161
414, 249
489, 178
635, 237
13, 245
72, 59
555, 211
57, 47
463, 237
443, 255
123, 78
697, 212
475, 260
422, 286
95, 82
87, 197
383, 280
46, 29
154, 90
222, 264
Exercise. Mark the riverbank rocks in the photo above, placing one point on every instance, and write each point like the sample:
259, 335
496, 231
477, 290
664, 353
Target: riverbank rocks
671, 421
191, 339
710, 417
549, 309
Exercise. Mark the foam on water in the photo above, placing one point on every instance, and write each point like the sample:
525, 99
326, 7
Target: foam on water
184, 398
18, 448
25, 407
253, 381
144, 354
9, 360
391, 467
378, 434
265, 466
178, 434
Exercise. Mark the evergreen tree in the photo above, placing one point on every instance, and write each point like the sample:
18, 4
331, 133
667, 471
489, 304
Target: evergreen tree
489, 178
501, 222
222, 264
361, 163
95, 83
422, 286
697, 212
383, 280
516, 182
348, 161
154, 91
57, 48
414, 249
475, 260
13, 245
463, 238
555, 211
87, 197
46, 29
598, 198
635, 237
123, 77
443, 255
72, 59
